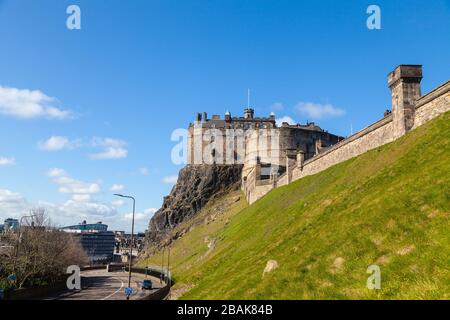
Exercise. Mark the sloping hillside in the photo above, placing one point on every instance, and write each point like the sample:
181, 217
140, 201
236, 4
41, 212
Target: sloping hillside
390, 207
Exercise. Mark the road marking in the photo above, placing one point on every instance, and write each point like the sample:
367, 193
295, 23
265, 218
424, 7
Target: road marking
121, 286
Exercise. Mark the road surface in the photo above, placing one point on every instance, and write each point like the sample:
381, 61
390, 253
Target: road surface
102, 285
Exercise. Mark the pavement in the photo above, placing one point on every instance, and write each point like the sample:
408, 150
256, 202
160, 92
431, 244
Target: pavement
102, 285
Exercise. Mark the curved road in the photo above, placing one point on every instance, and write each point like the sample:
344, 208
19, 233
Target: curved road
102, 285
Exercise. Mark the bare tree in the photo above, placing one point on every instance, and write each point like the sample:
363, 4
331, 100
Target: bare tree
40, 253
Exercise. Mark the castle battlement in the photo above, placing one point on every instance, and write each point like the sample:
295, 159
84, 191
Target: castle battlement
248, 121
248, 139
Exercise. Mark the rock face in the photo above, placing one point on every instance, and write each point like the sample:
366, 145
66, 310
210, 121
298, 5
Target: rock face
196, 185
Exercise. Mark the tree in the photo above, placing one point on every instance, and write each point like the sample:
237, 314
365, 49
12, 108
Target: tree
39, 253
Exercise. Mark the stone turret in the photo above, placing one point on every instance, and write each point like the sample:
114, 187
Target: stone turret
248, 113
227, 116
404, 83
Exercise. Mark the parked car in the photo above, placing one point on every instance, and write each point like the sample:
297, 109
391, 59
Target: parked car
146, 284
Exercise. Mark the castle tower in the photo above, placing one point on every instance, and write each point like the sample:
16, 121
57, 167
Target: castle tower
404, 83
227, 116
248, 113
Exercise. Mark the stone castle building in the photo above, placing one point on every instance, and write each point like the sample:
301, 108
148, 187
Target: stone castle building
251, 140
276, 155
260, 155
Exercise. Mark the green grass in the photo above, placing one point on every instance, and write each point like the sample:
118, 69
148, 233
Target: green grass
389, 206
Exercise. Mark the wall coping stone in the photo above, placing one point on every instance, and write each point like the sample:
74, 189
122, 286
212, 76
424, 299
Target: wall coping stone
380, 123
433, 94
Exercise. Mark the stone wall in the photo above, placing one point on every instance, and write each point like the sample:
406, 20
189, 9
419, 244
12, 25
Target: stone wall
381, 132
282, 180
259, 191
371, 137
432, 105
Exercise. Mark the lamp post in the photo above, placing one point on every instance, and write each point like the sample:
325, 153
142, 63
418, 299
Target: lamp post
132, 235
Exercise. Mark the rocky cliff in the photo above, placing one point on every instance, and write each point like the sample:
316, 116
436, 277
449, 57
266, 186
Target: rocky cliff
196, 185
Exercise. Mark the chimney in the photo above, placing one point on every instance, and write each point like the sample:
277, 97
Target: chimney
404, 83
205, 116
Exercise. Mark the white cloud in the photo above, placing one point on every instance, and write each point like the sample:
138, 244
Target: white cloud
117, 187
113, 148
144, 171
82, 197
137, 216
110, 153
287, 119
12, 203
67, 184
318, 111
55, 172
81, 205
55, 143
170, 179
107, 142
7, 161
141, 215
84, 210
27, 104
118, 203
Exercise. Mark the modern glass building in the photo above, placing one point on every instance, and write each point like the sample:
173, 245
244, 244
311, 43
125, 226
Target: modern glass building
99, 246
95, 239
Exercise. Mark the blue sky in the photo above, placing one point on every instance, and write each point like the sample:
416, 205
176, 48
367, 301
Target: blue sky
111, 93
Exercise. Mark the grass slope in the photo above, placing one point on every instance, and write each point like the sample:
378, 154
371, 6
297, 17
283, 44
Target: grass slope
389, 206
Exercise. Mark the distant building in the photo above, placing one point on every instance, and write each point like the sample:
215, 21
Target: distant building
11, 224
99, 246
83, 226
96, 240
123, 241
119, 234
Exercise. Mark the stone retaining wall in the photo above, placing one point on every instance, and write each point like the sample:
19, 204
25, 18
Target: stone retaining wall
371, 137
432, 105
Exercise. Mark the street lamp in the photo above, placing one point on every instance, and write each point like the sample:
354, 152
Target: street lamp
132, 235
